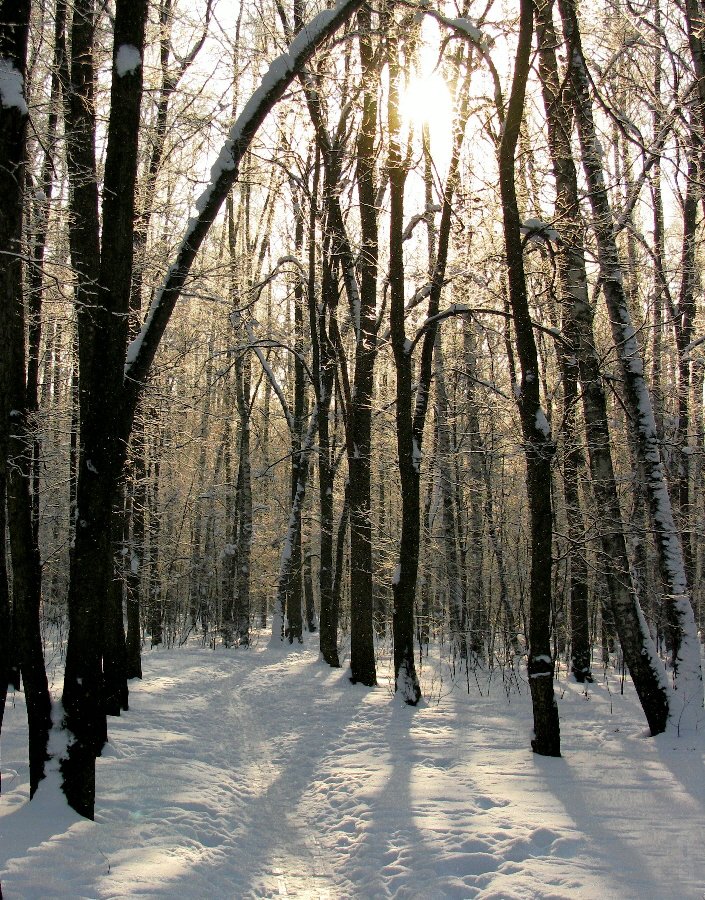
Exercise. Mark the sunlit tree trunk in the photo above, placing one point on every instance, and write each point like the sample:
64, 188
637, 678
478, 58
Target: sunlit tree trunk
444, 458
138, 503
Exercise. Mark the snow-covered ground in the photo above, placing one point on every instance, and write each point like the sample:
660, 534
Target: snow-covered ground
260, 773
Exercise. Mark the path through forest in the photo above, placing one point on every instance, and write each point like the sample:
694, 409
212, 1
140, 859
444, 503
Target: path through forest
260, 773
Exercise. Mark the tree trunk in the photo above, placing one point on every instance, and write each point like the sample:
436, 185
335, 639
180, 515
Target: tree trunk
359, 493
640, 654
580, 650
103, 302
339, 560
324, 367
136, 552
112, 381
15, 435
7, 638
114, 647
243, 549
289, 559
686, 650
409, 452
444, 457
538, 445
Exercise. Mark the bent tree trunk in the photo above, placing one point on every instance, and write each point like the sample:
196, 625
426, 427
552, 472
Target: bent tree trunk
538, 446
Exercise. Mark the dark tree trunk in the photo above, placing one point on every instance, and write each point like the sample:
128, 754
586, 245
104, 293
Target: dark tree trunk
15, 435
324, 367
26, 589
538, 446
339, 557
103, 302
289, 558
683, 322
326, 344
7, 638
409, 452
323, 370
294, 592
114, 646
410, 412
309, 600
359, 494
111, 380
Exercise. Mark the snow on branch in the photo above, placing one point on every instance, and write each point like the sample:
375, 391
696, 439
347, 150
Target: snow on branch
536, 230
417, 219
465, 29
224, 174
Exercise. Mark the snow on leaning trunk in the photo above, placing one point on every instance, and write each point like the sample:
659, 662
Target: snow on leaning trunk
687, 699
224, 173
685, 707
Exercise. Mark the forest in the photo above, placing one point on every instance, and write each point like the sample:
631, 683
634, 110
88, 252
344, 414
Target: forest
375, 326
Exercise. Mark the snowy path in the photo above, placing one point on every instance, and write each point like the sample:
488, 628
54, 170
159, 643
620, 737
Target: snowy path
255, 774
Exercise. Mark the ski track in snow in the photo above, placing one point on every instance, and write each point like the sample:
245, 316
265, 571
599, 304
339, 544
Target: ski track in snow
261, 773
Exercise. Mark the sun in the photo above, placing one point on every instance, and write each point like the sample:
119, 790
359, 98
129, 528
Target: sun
426, 101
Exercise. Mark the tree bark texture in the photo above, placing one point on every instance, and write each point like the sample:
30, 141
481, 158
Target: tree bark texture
538, 446
686, 648
15, 434
645, 667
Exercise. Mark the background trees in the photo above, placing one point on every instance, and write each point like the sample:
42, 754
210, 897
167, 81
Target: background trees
227, 415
